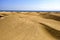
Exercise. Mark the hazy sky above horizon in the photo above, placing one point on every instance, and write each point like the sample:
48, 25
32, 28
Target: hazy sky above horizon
29, 4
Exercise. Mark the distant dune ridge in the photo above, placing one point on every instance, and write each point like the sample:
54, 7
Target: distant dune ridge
29, 25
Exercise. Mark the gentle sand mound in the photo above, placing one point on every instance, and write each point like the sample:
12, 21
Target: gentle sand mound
23, 27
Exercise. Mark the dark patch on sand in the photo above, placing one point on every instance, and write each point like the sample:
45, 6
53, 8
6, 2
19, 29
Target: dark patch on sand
55, 33
49, 16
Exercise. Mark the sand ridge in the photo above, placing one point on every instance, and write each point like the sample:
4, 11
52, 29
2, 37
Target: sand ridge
26, 26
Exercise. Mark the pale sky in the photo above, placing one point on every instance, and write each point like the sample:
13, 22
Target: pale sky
29, 4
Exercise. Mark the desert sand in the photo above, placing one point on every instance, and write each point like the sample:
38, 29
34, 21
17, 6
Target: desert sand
29, 26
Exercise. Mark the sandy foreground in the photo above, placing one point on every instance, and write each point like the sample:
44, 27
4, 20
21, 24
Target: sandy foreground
29, 26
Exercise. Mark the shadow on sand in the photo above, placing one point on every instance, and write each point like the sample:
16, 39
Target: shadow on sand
50, 16
55, 33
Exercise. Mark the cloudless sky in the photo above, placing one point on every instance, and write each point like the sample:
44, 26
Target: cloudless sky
29, 4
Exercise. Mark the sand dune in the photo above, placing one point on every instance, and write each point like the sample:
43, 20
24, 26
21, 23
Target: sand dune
29, 26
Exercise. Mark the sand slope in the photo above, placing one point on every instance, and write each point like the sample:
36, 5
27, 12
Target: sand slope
20, 26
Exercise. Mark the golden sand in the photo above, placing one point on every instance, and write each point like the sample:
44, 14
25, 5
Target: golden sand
28, 26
